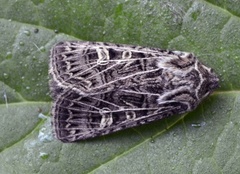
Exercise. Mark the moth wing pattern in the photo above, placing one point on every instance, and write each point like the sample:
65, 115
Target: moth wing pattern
99, 88
88, 67
80, 117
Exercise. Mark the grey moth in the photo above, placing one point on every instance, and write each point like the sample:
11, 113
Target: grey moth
99, 88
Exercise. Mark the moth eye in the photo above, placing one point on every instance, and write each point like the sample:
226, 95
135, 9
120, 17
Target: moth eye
126, 54
204, 91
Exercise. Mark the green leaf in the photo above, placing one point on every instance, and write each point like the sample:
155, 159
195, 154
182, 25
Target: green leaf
206, 140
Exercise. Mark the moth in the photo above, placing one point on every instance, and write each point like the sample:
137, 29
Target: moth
99, 88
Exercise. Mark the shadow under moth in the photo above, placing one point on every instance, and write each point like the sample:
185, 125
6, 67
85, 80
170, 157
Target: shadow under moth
99, 88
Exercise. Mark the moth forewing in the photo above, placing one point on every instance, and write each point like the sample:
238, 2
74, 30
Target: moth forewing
100, 88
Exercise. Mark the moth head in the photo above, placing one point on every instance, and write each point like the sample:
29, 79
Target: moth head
189, 80
208, 81
204, 80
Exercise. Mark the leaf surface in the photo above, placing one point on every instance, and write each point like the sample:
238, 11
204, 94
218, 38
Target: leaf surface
206, 140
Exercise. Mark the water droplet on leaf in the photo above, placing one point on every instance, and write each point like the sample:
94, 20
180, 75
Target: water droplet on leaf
27, 32
21, 43
9, 55
197, 125
5, 75
42, 49
44, 155
36, 30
